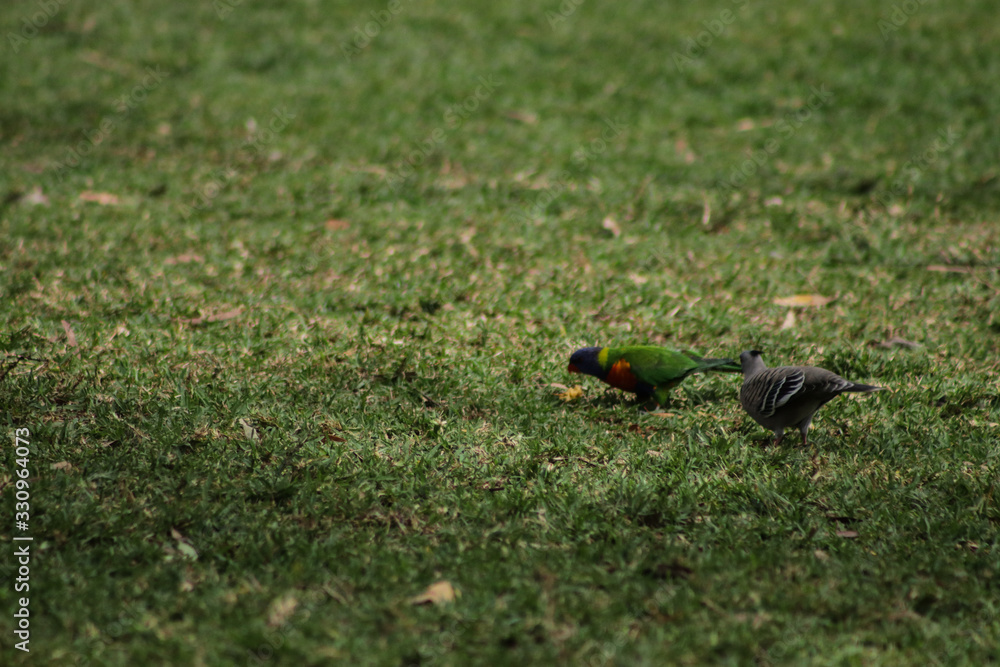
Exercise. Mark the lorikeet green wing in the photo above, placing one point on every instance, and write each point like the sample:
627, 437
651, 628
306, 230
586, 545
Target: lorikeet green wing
645, 370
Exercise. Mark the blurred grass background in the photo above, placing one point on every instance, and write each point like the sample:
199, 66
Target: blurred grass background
287, 289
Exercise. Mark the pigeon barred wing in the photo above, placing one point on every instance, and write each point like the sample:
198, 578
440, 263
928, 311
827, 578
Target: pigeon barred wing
781, 387
822, 381
789, 396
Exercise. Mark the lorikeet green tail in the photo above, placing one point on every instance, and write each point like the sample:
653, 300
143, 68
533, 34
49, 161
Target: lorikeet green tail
646, 370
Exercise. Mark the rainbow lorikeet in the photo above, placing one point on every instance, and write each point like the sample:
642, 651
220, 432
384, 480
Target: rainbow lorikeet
646, 370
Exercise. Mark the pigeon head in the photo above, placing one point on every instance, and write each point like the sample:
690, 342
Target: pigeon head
751, 362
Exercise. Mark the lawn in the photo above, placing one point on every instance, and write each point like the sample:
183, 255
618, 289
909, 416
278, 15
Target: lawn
289, 292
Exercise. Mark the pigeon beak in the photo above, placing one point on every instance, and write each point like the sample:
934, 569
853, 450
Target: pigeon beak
573, 369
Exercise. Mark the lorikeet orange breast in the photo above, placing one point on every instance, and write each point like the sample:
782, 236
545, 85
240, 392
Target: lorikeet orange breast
645, 370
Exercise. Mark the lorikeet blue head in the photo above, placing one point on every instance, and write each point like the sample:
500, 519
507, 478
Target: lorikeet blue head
585, 361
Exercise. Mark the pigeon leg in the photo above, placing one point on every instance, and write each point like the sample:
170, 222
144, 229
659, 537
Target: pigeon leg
804, 428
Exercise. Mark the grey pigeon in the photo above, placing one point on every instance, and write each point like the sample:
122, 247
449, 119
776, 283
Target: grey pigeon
786, 396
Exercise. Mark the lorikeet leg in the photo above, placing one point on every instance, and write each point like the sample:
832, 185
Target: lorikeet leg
662, 395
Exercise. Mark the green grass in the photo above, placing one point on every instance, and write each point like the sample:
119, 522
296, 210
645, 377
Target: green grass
316, 331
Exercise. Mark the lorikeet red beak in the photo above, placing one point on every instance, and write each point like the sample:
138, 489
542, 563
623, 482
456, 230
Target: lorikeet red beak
573, 369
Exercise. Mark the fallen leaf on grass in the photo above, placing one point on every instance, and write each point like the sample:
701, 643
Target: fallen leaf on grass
70, 336
62, 465
683, 149
789, 320
755, 621
102, 198
249, 432
803, 300
662, 415
185, 258
120, 330
335, 225
216, 317
526, 117
97, 59
573, 393
895, 341
639, 280
281, 610
672, 570
437, 593
942, 268
466, 238
821, 555
847, 534
611, 225
184, 545
35, 197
